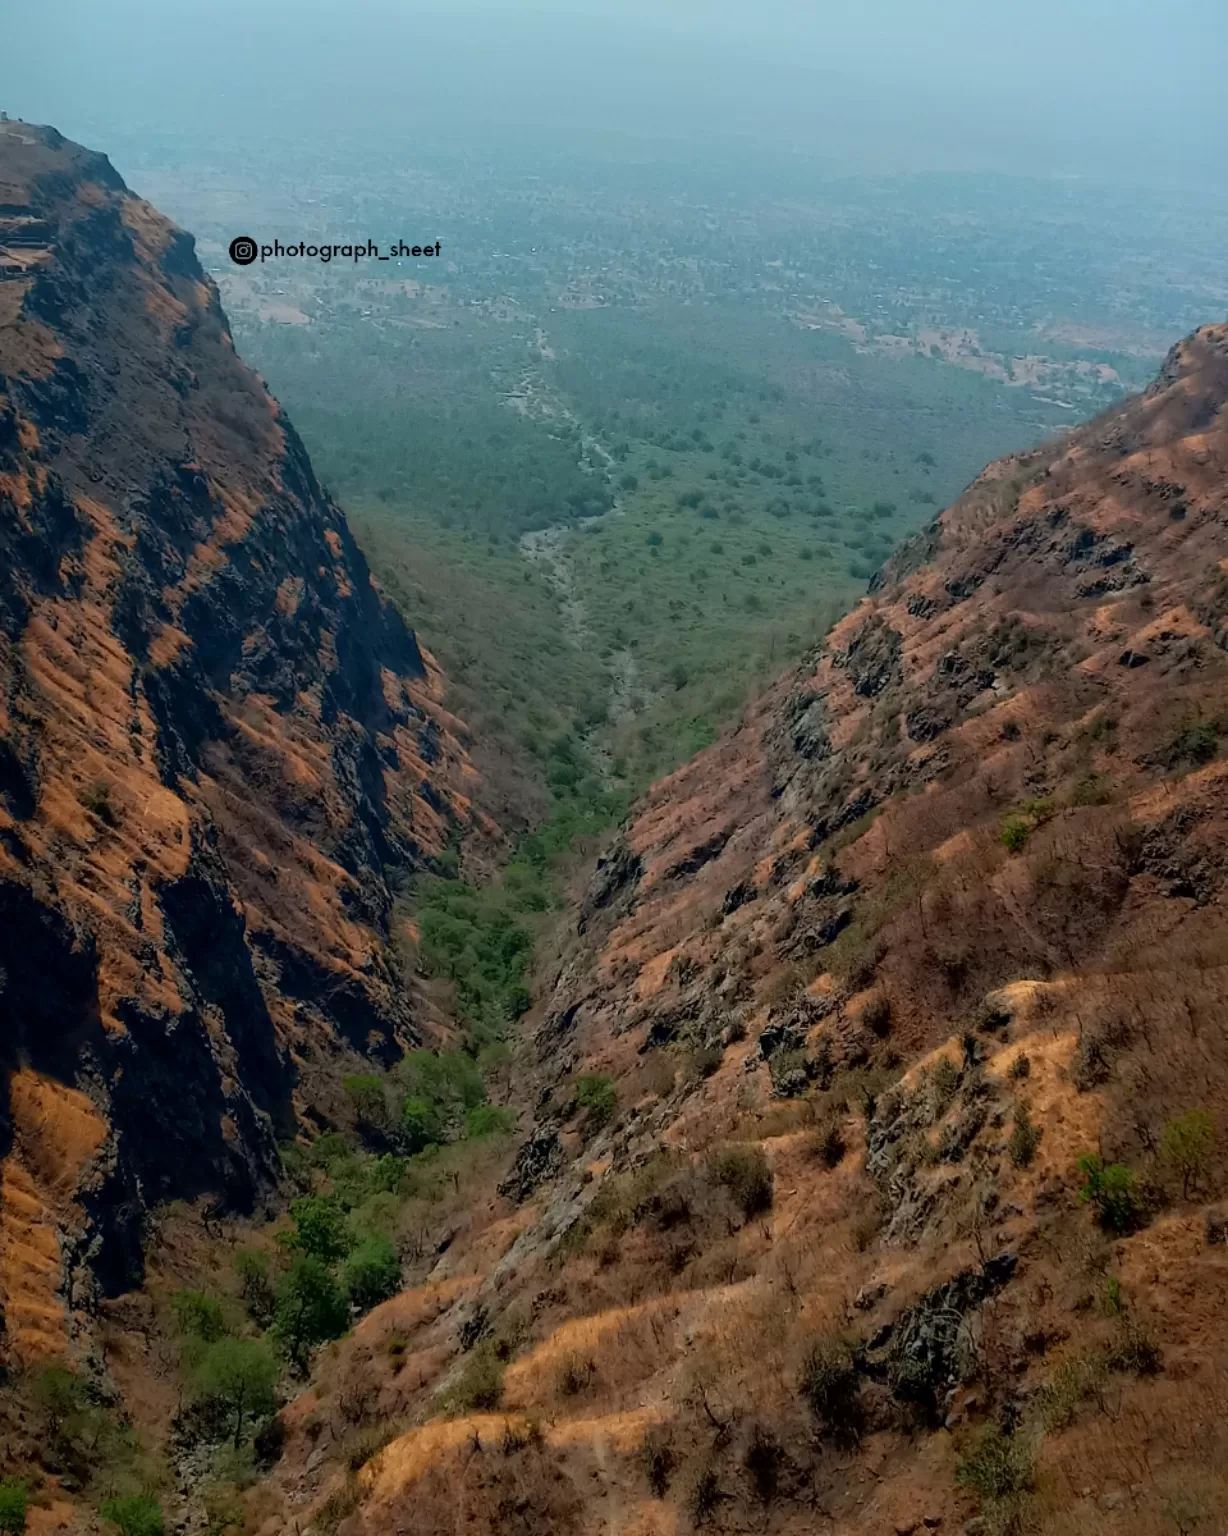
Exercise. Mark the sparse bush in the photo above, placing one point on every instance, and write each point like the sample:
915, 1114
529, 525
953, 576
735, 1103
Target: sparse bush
997, 1466
255, 1286
657, 1456
876, 1016
596, 1097
1025, 1138
744, 1171
828, 1143
1072, 1383
1113, 1190
764, 1461
96, 798
576, 1375
1021, 1067
479, 1387
1186, 1147
703, 1062
829, 1384
704, 1496
13, 1505
135, 1514
1134, 1350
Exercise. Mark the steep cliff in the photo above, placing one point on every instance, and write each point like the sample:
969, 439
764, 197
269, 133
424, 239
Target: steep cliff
218, 744
864, 982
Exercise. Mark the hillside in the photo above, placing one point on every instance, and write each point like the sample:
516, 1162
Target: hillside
864, 981
217, 745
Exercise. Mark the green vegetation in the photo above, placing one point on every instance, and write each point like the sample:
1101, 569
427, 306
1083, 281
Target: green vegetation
133, 1514
997, 1466
13, 1505
596, 1097
239, 1377
1113, 1190
310, 1308
1019, 824
372, 1272
1186, 1147
479, 1387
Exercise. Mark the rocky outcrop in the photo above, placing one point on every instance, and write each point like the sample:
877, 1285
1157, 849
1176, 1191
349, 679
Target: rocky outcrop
220, 747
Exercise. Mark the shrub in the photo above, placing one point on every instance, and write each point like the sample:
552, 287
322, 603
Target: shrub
876, 1016
657, 1456
745, 1173
1134, 1350
1021, 1067
595, 1095
1025, 1138
13, 1503
704, 1496
96, 798
372, 1272
1016, 830
828, 1383
479, 1387
1114, 1192
764, 1459
1186, 1146
997, 1466
60, 1394
239, 1375
1076, 1379
255, 1287
136, 1514
576, 1375
829, 1144
198, 1315
489, 1120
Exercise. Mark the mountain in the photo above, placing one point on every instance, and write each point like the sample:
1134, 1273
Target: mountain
800, 1238
217, 744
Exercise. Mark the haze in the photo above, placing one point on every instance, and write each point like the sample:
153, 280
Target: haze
1116, 89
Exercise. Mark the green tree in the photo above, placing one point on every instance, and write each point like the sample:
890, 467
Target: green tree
372, 1272
310, 1308
1113, 1190
199, 1315
319, 1228
136, 1514
60, 1394
239, 1375
13, 1503
1186, 1146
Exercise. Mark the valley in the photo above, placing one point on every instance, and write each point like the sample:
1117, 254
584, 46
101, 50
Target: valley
628, 935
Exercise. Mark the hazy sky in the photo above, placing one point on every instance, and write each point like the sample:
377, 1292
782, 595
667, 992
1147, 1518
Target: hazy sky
1133, 89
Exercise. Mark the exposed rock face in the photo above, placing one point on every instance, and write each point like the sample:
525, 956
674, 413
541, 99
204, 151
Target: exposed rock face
217, 740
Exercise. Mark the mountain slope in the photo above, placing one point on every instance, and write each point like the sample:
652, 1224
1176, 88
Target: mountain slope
216, 741
866, 979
